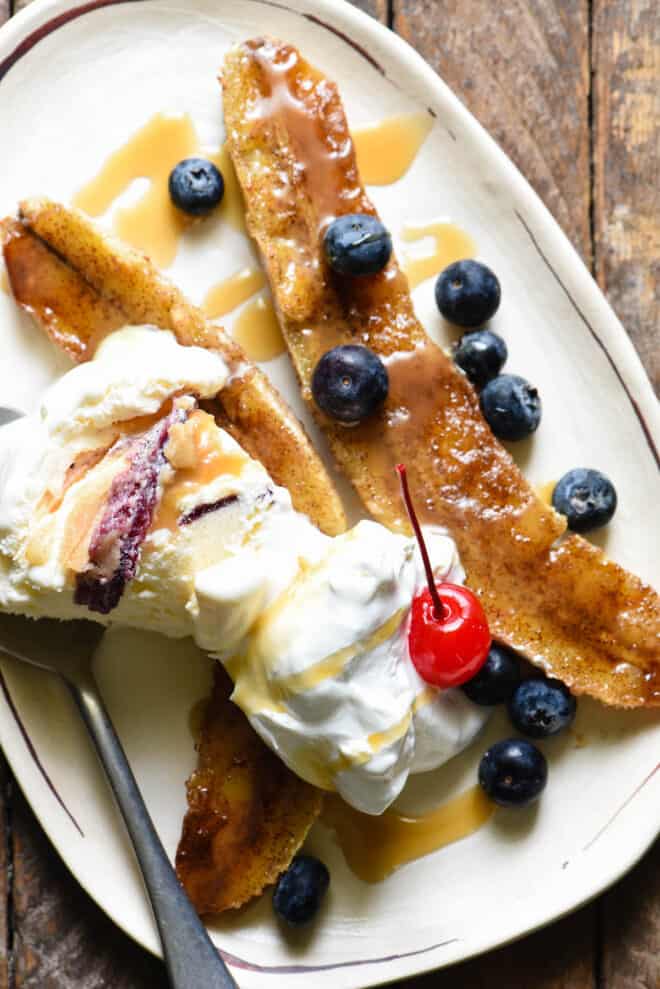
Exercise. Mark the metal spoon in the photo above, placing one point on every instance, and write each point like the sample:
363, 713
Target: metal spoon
66, 648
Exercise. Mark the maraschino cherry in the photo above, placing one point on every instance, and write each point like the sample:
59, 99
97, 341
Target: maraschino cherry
448, 637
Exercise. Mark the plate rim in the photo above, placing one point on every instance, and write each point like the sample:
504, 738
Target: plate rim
566, 265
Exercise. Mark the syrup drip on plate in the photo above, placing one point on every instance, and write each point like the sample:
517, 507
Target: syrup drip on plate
545, 491
375, 846
258, 331
153, 224
232, 292
450, 244
4, 282
385, 151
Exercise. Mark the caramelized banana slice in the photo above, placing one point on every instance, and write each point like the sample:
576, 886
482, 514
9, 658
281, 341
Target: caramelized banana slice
248, 814
562, 604
71, 312
80, 285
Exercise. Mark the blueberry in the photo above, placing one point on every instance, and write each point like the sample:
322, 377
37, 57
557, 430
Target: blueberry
467, 293
540, 708
196, 186
349, 383
497, 678
513, 772
357, 244
586, 497
300, 890
481, 354
511, 407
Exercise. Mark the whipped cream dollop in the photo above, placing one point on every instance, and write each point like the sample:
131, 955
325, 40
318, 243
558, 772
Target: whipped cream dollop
123, 501
327, 680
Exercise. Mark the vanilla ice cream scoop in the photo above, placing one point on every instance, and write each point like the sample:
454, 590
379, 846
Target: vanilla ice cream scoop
123, 501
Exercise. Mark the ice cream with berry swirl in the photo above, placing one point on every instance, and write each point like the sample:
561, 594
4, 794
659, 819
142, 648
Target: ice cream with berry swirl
123, 501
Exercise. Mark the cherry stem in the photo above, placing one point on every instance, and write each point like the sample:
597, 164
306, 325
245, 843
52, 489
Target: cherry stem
438, 607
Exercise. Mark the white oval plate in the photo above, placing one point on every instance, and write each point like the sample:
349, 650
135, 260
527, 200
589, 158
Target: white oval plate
75, 82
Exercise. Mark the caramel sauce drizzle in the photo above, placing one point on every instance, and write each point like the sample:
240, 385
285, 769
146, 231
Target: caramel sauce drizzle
153, 224
450, 244
324, 160
232, 292
258, 331
545, 491
386, 150
374, 847
193, 449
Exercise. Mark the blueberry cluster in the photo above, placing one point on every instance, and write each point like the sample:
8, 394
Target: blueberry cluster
514, 771
350, 382
468, 294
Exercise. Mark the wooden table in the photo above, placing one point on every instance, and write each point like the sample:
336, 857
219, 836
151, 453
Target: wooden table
571, 90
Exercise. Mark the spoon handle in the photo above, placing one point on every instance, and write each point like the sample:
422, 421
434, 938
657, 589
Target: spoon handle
191, 959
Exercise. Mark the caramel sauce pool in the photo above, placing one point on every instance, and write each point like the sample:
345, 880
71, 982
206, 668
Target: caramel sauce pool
375, 846
450, 244
258, 331
385, 151
232, 292
545, 491
153, 224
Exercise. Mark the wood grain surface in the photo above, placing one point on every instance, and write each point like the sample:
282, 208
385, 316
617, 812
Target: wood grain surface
571, 90
626, 136
522, 68
6, 876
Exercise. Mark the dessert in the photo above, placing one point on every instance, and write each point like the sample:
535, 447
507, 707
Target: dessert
80, 288
137, 495
80, 285
121, 499
559, 602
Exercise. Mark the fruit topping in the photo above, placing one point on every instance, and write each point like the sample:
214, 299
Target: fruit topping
349, 383
540, 708
513, 772
586, 497
481, 355
511, 407
448, 637
196, 186
497, 679
357, 244
300, 890
114, 547
467, 293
